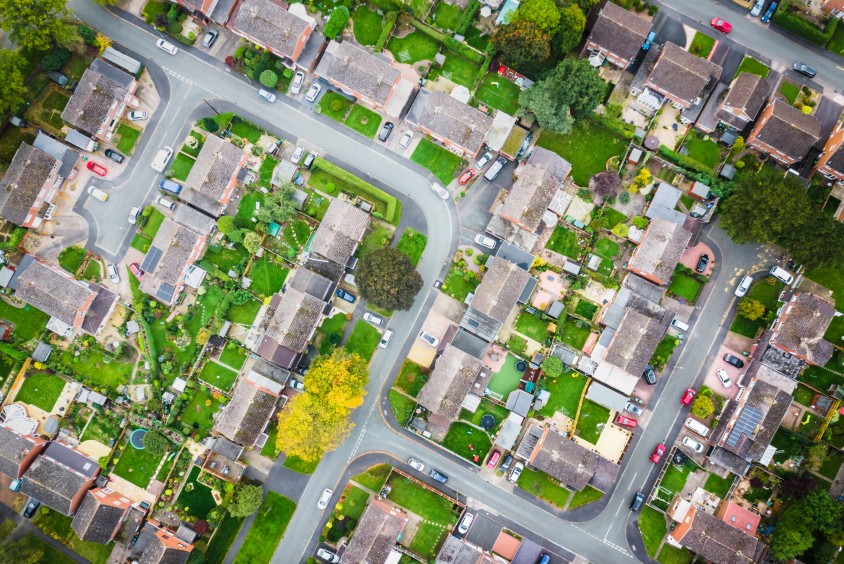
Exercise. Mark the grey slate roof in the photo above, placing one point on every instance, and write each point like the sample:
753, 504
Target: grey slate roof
716, 541
802, 328
375, 535
29, 170
100, 308
358, 71
619, 31
311, 283
682, 74
270, 24
174, 244
554, 164
13, 449
165, 548
193, 219
59, 151
771, 404
636, 340
214, 168
341, 230
453, 120
89, 106
530, 196
295, 319
449, 382
566, 460
500, 289
660, 249
57, 476
789, 130
230, 450
52, 292
836, 160
456, 551
747, 94
244, 417
97, 519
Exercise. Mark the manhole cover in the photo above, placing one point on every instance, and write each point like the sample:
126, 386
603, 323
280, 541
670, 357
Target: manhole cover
487, 421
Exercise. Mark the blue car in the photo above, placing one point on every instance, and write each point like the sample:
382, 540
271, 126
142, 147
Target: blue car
649, 40
767, 17
169, 186
344, 295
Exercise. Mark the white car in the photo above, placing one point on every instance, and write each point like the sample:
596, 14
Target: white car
133, 215
485, 241
325, 498
633, 408
327, 556
744, 286
428, 338
415, 464
297, 154
385, 339
722, 375
482, 162
266, 95
465, 523
97, 193
439, 191
313, 92
111, 269
165, 203
162, 157
137, 115
372, 318
517, 471
296, 384
782, 275
692, 444
296, 84
406, 139
757, 8
166, 46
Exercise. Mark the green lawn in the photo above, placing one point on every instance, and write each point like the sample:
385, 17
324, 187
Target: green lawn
71, 258
55, 525
486, 407
752, 66
99, 367
41, 390
476, 40
456, 285
586, 309
831, 464
532, 326
652, 525
402, 406
218, 375
223, 538
127, 138
411, 379
421, 501
606, 248
153, 223
234, 355
564, 241
701, 45
832, 278
588, 148
136, 466
296, 233
331, 326
374, 477
300, 465
267, 276
182, 165
333, 105
265, 173
672, 555
663, 351
803, 395
31, 545
507, 378
412, 243
789, 90
674, 479
591, 422
363, 340
704, 152
93, 271
717, 485
565, 391
685, 287
104, 427
195, 152
367, 25
225, 258
244, 314
267, 530
822, 377
499, 93
246, 209
468, 442
377, 236
199, 412
586, 495
456, 69
413, 48
29, 322
767, 294
246, 130
447, 17
196, 501
575, 332
544, 487
364, 121
836, 44
440, 161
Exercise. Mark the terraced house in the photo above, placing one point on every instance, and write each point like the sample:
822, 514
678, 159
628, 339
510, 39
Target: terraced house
173, 250
270, 25
60, 478
98, 103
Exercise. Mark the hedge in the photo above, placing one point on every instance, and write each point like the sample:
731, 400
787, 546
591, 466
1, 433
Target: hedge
685, 162
336, 22
428, 30
804, 28
387, 31
463, 50
625, 130
468, 16
365, 187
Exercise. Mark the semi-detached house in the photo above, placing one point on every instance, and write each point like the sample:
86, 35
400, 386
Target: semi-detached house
29, 185
103, 94
784, 132
617, 36
269, 25
355, 71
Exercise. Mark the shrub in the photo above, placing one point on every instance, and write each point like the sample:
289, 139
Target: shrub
174, 13
174, 28
238, 53
268, 78
468, 17
88, 35
287, 73
55, 58
552, 366
337, 22
740, 165
624, 198
621, 230
387, 31
703, 407
209, 124
685, 162
640, 222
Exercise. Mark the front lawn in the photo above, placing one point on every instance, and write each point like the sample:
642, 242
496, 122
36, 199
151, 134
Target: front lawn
544, 487
588, 148
565, 242
182, 165
266, 532
652, 525
685, 287
422, 501
224, 536
200, 411
364, 121
440, 161
29, 322
412, 243
41, 390
586, 495
531, 326
374, 477
673, 555
789, 90
246, 130
127, 137
267, 276
195, 498
300, 465
218, 375
704, 152
333, 105
467, 442
377, 237
674, 479
719, 486
663, 351
565, 390
591, 421
71, 258
152, 224
752, 66
411, 379
413, 47
499, 93
767, 294
701, 45
363, 340
575, 332
367, 25
331, 332
135, 466
402, 406
456, 284
234, 355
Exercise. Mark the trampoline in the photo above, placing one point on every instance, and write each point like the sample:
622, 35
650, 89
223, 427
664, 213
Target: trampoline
521, 366
487, 422
137, 438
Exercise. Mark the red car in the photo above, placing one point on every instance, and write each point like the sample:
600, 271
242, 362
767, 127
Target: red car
493, 460
97, 168
656, 456
136, 270
721, 25
466, 176
626, 421
688, 397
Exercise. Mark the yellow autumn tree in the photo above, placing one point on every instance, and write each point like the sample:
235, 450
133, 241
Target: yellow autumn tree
103, 42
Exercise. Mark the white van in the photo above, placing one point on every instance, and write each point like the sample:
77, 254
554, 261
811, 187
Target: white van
697, 427
676, 323
496, 167
782, 275
159, 163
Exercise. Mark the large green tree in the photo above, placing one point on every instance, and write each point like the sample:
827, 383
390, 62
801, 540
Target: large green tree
572, 23
386, 277
801, 521
246, 500
35, 24
522, 43
279, 206
12, 89
556, 107
544, 14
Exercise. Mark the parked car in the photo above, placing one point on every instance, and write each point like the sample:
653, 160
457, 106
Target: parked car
137, 115
209, 38
733, 360
625, 421
313, 92
441, 478
296, 384
634, 409
465, 523
702, 263
297, 154
637, 502
133, 215
136, 270
309, 161
725, 379
97, 168
508, 460
327, 556
517, 471
166, 46
97, 193
676, 323
688, 397
170, 186
439, 191
325, 498
344, 295
744, 286
544, 558
769, 13
165, 203
782, 275
804, 69
692, 444
698, 427
385, 339
484, 160
297, 82
406, 139
757, 8
656, 455
114, 155
374, 319
386, 130
428, 338
267, 95
493, 460
496, 167
721, 25
415, 464
466, 176
649, 40
649, 375
111, 270
31, 508
485, 241
162, 157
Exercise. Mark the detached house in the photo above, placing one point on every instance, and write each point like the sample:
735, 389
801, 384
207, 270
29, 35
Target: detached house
456, 125
453, 377
213, 178
617, 36
100, 99
250, 409
268, 24
680, 77
17, 452
60, 477
831, 162
337, 238
711, 538
173, 250
376, 533
355, 71
538, 180
784, 132
746, 96
800, 327
28, 186
100, 516
660, 250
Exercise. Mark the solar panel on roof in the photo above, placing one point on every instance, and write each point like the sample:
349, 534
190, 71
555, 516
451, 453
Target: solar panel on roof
151, 260
165, 293
747, 422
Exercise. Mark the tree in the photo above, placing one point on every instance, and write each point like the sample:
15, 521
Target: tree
544, 14
23, 552
336, 22
703, 407
572, 23
522, 43
246, 500
604, 184
554, 106
787, 543
738, 144
642, 179
801, 521
268, 78
35, 24
387, 278
156, 443
209, 124
55, 58
12, 90
751, 309
103, 42
552, 367
815, 456
252, 242
585, 5
279, 206
236, 236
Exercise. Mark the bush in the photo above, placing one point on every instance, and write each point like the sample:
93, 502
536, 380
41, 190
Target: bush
87, 34
238, 53
640, 222
468, 16
268, 78
174, 28
703, 407
337, 22
55, 58
552, 366
621, 230
174, 13
804, 28
740, 165
685, 162
287, 73
386, 31
209, 124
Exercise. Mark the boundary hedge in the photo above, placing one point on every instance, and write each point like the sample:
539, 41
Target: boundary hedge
393, 213
804, 28
387, 31
686, 162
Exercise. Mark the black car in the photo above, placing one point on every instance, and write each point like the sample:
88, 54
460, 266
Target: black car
804, 69
385, 131
702, 262
508, 460
114, 155
734, 360
31, 508
637, 502
309, 161
438, 477
649, 375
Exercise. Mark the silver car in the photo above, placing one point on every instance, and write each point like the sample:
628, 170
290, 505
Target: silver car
374, 319
298, 81
313, 92
415, 464
633, 408
692, 444
757, 8
484, 160
440, 191
137, 115
327, 556
325, 498
297, 154
111, 269
266, 95
744, 286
